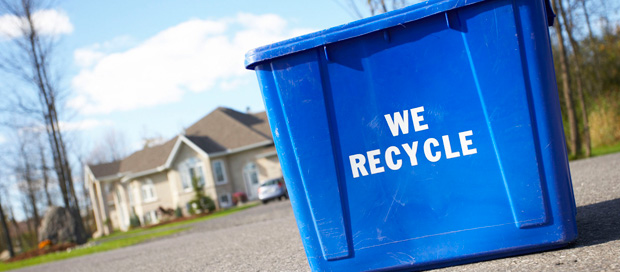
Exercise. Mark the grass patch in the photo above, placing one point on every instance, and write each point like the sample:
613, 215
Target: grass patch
603, 150
598, 151
105, 246
117, 234
140, 231
208, 217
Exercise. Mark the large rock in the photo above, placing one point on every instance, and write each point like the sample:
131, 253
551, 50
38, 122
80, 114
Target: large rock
59, 226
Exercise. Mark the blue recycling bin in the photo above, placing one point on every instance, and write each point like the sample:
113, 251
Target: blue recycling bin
423, 137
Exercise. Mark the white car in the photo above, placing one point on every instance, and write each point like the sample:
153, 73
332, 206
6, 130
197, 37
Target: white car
272, 189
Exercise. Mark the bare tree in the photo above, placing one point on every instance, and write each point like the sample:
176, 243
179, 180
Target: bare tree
44, 174
115, 141
377, 6
112, 147
569, 27
383, 6
6, 232
18, 234
566, 90
24, 171
27, 212
3, 218
357, 8
595, 55
31, 60
86, 196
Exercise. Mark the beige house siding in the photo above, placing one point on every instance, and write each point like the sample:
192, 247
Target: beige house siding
135, 207
237, 162
114, 219
111, 204
227, 188
265, 166
185, 196
162, 195
181, 196
269, 167
121, 207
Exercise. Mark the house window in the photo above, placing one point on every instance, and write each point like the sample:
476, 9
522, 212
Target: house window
252, 172
191, 169
219, 172
150, 218
225, 200
148, 191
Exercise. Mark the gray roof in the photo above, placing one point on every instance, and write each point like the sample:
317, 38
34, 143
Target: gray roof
225, 129
147, 158
221, 130
105, 169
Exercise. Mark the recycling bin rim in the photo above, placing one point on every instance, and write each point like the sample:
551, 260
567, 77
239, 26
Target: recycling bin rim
359, 28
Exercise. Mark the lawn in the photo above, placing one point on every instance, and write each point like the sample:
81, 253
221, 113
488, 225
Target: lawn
105, 246
121, 239
606, 150
599, 151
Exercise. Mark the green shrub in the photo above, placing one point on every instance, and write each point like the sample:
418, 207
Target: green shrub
202, 205
200, 201
178, 213
190, 208
207, 204
134, 221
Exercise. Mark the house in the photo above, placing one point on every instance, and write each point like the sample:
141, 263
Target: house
227, 151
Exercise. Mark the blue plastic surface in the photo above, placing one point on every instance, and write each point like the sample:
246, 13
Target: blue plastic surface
423, 137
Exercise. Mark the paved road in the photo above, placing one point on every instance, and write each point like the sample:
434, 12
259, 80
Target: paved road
265, 238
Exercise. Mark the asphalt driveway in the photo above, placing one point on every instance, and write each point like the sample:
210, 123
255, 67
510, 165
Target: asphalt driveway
265, 238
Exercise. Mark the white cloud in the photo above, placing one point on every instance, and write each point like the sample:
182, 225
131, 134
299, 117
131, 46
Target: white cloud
117, 43
87, 57
86, 124
2, 139
194, 56
47, 22
83, 124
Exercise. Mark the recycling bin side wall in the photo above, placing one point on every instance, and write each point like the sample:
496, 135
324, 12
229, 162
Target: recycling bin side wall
303, 101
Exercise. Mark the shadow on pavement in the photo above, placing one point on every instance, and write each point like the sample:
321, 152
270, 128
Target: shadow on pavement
598, 223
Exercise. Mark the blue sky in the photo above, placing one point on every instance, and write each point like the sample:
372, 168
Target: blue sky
150, 68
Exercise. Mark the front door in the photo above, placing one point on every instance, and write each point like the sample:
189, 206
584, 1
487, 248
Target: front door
250, 175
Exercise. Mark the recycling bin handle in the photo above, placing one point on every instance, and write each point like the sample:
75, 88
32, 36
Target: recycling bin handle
550, 13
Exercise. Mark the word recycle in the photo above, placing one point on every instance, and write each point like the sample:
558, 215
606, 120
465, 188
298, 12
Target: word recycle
393, 159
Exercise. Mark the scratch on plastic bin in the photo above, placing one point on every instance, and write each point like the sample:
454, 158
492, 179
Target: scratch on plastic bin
392, 204
402, 257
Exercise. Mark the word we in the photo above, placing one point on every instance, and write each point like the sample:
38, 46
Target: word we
393, 157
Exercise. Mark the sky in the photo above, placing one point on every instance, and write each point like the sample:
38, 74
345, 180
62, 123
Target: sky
152, 68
